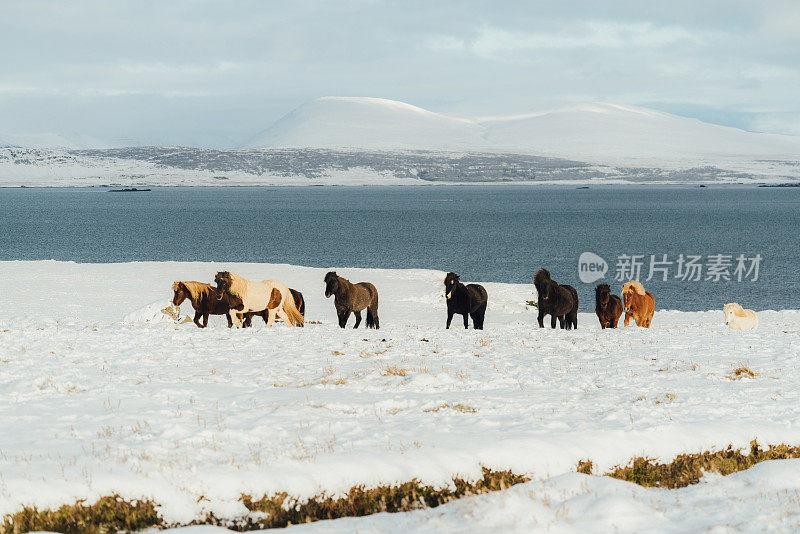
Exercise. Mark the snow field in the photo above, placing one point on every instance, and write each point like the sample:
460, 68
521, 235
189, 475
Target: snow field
101, 394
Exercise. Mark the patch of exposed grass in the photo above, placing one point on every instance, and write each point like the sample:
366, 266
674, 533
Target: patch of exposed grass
463, 408
282, 510
107, 515
394, 370
687, 469
741, 372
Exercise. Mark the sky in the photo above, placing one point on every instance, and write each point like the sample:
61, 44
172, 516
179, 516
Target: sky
214, 74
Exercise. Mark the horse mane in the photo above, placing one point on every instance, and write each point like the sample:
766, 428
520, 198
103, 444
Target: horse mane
238, 285
737, 309
197, 290
633, 285
541, 276
603, 287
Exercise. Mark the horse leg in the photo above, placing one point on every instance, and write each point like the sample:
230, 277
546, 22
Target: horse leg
271, 318
627, 319
575, 320
561, 322
228, 317
478, 316
358, 319
541, 319
284, 316
373, 311
197, 316
466, 320
205, 319
553, 319
343, 316
450, 314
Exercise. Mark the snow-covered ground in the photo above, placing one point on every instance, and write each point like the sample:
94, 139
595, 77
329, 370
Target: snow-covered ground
101, 393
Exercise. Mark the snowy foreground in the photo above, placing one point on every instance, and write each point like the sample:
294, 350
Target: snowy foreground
101, 393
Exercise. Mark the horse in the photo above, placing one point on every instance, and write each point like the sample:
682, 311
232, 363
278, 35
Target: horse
205, 301
558, 301
468, 300
639, 305
352, 298
299, 302
737, 318
608, 307
269, 296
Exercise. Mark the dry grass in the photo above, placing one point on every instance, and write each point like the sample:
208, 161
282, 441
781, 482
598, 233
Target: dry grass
394, 370
281, 510
687, 469
741, 372
463, 408
107, 515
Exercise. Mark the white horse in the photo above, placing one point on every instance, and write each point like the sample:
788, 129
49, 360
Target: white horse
737, 318
270, 295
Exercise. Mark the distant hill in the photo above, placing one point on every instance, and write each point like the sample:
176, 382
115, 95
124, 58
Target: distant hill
596, 132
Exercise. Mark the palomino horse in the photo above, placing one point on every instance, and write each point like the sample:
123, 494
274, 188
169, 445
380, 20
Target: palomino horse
270, 295
639, 304
467, 300
737, 318
560, 302
608, 307
205, 301
352, 298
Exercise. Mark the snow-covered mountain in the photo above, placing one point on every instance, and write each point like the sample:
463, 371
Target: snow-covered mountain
597, 132
51, 141
373, 123
612, 132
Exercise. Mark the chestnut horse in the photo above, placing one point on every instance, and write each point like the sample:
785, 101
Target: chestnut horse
608, 307
352, 298
639, 304
205, 301
560, 302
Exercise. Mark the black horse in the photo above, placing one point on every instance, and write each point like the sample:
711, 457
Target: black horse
468, 300
560, 302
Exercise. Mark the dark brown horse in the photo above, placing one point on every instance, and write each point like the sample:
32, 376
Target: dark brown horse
467, 300
352, 298
205, 301
608, 307
560, 302
298, 301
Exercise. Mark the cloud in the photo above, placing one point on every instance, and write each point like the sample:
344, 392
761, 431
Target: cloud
498, 43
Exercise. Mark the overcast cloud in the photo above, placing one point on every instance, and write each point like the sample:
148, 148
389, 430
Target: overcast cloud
215, 73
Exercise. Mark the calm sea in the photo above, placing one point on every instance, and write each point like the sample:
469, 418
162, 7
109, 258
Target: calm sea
483, 233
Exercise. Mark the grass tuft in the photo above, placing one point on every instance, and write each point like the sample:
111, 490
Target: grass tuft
741, 372
107, 515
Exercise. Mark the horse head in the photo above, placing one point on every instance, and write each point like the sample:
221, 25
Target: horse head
181, 293
331, 284
451, 281
602, 295
223, 279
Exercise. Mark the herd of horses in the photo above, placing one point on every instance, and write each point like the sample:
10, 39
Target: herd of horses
240, 299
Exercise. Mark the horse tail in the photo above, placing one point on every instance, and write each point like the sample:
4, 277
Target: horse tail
291, 310
370, 319
299, 302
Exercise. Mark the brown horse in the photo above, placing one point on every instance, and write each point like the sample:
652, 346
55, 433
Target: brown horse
352, 298
205, 301
639, 304
558, 301
608, 307
264, 314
